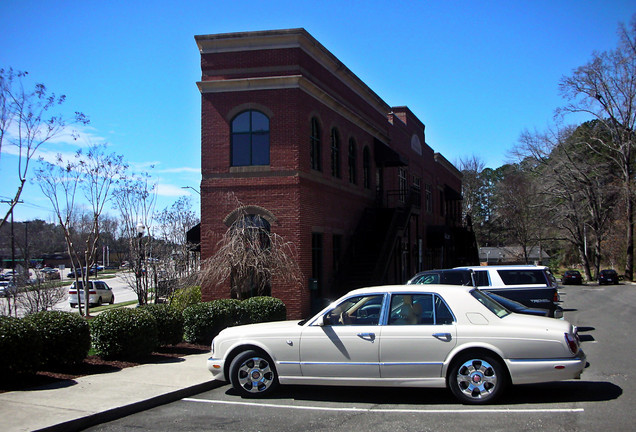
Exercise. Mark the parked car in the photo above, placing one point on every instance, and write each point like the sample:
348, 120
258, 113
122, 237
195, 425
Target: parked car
405, 335
91, 272
530, 285
572, 277
50, 273
466, 278
7, 288
608, 277
99, 292
533, 287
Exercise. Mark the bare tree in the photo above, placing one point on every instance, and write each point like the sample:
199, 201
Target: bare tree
176, 261
94, 173
472, 190
604, 88
578, 187
250, 256
28, 122
41, 296
135, 199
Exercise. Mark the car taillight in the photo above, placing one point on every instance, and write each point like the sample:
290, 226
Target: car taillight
72, 292
92, 292
572, 343
556, 297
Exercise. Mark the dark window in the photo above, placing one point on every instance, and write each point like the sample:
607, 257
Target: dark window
523, 277
361, 310
315, 145
352, 161
316, 257
335, 153
250, 139
402, 181
366, 168
337, 250
481, 278
429, 198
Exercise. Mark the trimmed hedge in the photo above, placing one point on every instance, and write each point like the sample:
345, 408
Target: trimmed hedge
20, 346
65, 337
169, 323
203, 321
124, 333
264, 309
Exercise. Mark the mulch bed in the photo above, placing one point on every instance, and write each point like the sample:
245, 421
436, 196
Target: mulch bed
95, 365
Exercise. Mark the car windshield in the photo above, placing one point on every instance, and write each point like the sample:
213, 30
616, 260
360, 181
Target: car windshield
492, 305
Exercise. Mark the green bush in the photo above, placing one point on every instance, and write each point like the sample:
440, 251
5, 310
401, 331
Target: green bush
20, 346
264, 309
169, 323
65, 337
124, 333
203, 321
184, 297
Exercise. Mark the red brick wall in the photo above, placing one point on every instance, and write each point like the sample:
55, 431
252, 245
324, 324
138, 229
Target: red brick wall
303, 200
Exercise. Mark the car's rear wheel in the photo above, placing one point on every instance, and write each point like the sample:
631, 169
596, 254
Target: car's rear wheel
477, 378
253, 374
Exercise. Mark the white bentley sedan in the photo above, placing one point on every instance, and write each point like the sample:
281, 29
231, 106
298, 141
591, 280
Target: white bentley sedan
402, 336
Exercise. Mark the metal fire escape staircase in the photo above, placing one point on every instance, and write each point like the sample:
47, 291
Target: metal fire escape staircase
369, 255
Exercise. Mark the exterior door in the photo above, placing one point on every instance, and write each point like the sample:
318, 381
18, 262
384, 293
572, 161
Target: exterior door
419, 335
346, 345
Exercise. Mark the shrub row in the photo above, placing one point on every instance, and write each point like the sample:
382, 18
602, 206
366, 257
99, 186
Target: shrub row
203, 321
54, 338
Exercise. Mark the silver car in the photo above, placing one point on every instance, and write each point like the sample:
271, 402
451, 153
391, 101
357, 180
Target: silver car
402, 336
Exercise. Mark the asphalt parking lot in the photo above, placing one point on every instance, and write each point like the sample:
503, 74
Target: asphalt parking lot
602, 399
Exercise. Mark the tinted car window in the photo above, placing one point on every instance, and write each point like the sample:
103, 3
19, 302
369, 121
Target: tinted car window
522, 277
481, 278
494, 307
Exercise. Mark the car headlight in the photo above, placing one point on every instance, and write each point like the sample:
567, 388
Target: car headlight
212, 347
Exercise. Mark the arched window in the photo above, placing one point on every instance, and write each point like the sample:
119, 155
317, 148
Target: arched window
352, 161
335, 153
250, 139
366, 168
315, 155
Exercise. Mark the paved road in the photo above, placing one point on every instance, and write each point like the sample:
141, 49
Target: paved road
603, 400
119, 284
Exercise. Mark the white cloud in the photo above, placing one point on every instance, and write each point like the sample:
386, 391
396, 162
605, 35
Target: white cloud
171, 190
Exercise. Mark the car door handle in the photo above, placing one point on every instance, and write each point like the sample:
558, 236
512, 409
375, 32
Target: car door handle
367, 336
446, 337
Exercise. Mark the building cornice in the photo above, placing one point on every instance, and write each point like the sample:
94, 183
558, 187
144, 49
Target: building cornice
292, 82
291, 38
449, 166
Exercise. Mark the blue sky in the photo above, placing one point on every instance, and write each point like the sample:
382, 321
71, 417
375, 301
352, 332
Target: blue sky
477, 73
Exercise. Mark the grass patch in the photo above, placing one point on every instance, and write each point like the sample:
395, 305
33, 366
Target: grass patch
113, 306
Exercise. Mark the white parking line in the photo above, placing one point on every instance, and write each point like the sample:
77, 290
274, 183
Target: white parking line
401, 411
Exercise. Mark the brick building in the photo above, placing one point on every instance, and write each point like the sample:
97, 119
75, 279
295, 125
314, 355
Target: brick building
303, 143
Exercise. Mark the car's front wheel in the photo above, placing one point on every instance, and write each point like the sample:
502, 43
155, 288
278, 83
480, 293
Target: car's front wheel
253, 374
477, 378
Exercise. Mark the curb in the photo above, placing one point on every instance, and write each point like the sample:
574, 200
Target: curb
135, 407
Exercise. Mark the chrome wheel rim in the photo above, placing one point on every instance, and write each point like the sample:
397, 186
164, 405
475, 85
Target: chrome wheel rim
255, 375
476, 379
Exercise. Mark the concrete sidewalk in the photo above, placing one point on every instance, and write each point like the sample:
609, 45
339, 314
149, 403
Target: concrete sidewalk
90, 400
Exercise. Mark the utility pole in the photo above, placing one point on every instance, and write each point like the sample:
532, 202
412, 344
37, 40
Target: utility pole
12, 238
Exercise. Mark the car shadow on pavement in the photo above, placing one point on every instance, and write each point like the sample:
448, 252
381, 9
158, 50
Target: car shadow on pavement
558, 392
